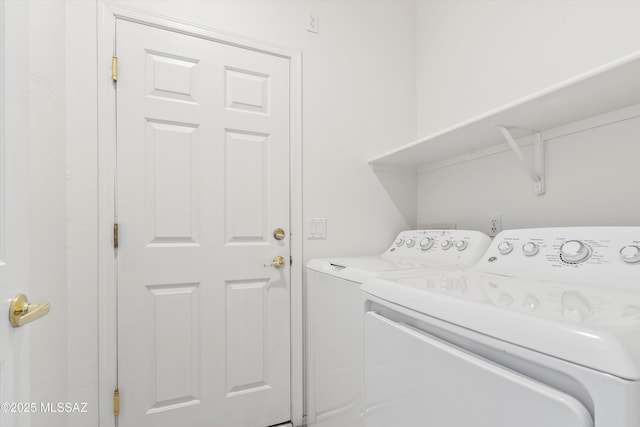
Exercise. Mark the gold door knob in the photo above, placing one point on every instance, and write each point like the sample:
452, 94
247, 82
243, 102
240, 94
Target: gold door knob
278, 262
21, 312
278, 234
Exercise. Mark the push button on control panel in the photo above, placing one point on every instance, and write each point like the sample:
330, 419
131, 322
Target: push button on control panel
530, 249
461, 245
505, 248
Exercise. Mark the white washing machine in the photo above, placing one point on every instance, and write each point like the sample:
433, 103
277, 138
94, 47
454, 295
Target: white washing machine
543, 331
334, 315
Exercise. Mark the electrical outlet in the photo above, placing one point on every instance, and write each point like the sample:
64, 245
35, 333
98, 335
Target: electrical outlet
495, 224
313, 22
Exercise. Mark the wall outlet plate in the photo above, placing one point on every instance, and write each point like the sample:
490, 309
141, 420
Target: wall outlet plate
495, 224
313, 22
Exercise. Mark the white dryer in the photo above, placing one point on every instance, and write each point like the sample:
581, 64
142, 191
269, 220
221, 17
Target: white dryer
543, 331
334, 315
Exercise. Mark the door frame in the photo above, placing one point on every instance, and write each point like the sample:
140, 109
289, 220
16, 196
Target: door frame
107, 289
2, 136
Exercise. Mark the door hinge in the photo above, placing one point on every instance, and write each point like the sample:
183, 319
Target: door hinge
290, 260
116, 402
114, 68
115, 236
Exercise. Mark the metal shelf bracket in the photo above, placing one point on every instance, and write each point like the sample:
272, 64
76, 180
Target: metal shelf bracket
536, 173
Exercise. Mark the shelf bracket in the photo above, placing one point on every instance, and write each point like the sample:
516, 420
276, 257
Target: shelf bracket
536, 173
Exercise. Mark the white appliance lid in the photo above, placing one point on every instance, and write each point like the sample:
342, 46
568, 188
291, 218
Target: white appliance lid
358, 269
376, 264
587, 325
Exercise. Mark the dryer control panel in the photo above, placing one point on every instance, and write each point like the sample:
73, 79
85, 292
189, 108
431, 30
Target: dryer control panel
592, 255
459, 248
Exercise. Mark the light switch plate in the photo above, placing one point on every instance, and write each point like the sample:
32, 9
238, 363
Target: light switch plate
317, 228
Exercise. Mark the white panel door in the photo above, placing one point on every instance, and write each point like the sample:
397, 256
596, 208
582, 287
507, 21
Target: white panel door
414, 379
202, 183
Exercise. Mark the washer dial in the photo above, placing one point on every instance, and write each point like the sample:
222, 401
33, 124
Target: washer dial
574, 252
426, 243
630, 253
410, 243
446, 244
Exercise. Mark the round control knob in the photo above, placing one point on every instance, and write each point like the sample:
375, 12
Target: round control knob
461, 245
446, 244
399, 242
426, 243
574, 251
505, 248
531, 303
575, 307
630, 253
530, 249
410, 243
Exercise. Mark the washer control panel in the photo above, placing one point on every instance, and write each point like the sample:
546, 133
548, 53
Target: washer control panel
440, 247
574, 254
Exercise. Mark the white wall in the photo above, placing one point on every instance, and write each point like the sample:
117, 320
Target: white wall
591, 179
476, 56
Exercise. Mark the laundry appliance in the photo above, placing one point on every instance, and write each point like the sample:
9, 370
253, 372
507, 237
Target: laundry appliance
543, 331
334, 315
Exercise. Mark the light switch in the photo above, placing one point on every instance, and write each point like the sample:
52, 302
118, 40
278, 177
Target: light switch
317, 228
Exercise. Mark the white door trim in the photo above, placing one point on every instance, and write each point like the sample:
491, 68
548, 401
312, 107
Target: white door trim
107, 346
2, 137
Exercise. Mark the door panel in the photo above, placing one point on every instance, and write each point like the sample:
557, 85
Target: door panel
202, 180
172, 181
247, 189
412, 378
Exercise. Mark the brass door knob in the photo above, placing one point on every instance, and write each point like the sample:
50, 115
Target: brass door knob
278, 234
21, 312
278, 262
